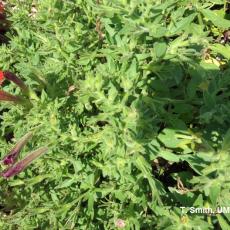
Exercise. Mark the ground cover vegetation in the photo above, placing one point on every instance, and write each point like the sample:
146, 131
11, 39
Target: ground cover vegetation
131, 99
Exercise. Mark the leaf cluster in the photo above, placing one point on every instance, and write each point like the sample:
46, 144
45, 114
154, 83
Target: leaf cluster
133, 99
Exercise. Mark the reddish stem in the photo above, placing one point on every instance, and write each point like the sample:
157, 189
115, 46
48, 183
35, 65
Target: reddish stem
4, 96
12, 77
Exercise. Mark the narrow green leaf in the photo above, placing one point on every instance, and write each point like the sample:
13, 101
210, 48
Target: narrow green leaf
223, 223
176, 27
216, 19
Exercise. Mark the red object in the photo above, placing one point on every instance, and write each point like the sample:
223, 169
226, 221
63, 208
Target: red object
12, 77
21, 165
12, 156
2, 9
4, 96
3, 21
2, 78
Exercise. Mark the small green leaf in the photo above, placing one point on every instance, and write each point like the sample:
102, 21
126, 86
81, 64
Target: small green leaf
168, 138
220, 49
199, 202
223, 223
216, 19
176, 27
169, 156
226, 141
160, 49
214, 193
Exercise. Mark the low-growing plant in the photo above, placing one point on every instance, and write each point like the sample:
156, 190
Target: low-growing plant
132, 98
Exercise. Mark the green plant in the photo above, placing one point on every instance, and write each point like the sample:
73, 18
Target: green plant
133, 99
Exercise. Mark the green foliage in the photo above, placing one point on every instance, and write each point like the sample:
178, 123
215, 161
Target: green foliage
133, 105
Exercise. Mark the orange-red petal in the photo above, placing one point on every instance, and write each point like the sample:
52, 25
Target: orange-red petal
1, 77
